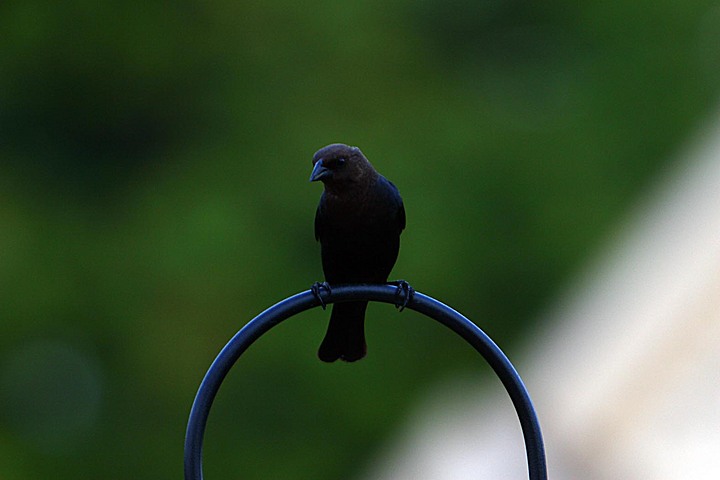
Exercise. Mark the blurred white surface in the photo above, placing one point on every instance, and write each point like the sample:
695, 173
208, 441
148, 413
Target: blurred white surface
625, 375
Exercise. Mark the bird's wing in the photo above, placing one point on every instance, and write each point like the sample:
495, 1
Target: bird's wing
319, 217
400, 215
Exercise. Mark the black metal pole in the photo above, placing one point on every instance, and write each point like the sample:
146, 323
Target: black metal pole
428, 306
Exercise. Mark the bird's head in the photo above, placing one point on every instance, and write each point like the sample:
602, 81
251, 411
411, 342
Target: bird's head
340, 164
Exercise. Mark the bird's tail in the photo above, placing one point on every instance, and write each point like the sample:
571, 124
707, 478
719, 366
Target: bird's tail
345, 337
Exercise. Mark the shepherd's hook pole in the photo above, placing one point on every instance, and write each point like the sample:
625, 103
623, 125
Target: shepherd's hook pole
534, 448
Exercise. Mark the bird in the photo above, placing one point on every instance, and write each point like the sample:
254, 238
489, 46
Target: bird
358, 223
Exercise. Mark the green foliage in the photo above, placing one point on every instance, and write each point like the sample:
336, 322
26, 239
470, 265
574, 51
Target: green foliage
154, 198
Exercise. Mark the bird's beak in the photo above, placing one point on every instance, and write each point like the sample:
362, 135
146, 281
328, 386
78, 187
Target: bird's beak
319, 172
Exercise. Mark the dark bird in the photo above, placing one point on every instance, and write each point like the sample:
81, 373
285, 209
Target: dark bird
358, 223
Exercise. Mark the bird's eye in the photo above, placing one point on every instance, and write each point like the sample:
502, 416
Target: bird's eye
335, 162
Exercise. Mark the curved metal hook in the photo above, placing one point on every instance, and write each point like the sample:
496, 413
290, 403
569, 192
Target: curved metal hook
421, 303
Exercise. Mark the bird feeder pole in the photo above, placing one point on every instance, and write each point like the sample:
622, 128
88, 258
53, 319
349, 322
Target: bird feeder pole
534, 448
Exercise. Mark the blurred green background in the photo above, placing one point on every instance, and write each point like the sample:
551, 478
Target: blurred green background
154, 159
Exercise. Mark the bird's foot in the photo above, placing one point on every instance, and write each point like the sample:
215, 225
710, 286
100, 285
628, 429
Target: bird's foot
316, 288
404, 294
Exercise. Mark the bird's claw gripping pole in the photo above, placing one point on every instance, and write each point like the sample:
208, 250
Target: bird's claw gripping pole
404, 292
316, 290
